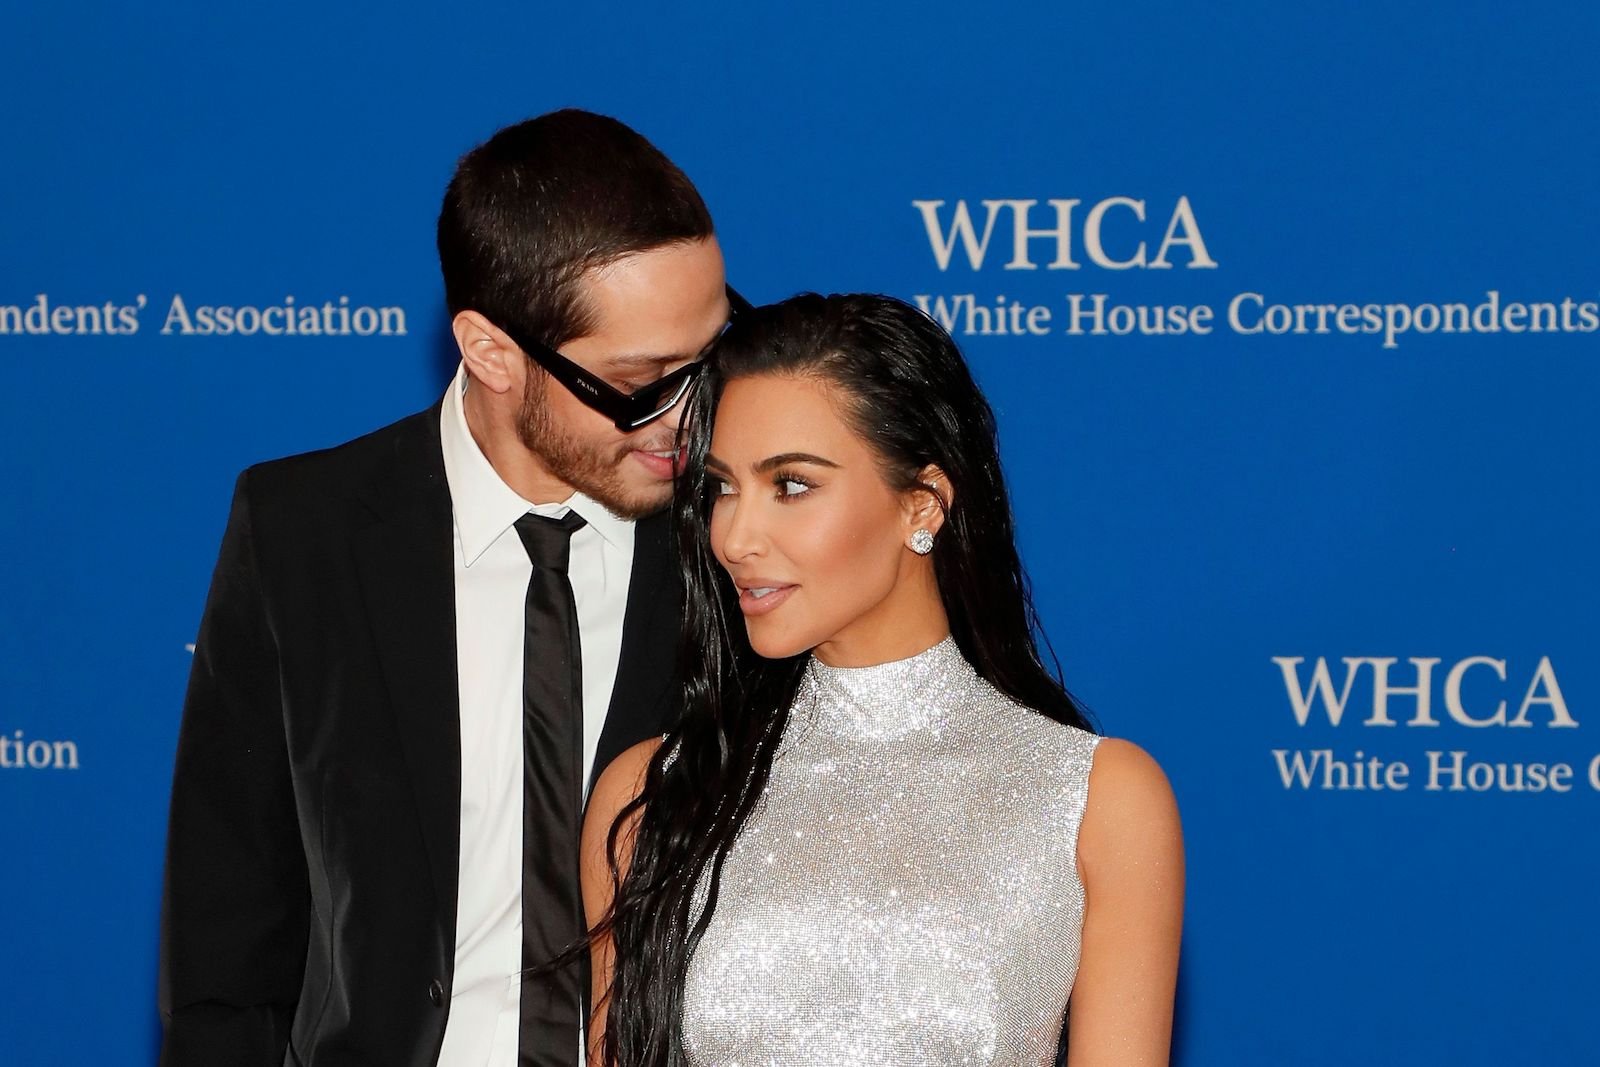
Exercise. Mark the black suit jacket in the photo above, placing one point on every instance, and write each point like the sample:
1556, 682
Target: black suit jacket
310, 899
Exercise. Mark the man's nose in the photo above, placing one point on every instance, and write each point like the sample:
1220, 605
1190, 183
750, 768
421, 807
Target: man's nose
674, 418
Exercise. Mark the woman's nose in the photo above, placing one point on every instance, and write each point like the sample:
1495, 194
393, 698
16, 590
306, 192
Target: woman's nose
743, 535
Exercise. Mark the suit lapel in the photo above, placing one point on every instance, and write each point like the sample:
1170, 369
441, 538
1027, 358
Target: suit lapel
405, 559
642, 698
406, 563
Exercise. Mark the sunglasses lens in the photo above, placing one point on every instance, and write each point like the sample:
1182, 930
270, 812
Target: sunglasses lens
664, 404
660, 398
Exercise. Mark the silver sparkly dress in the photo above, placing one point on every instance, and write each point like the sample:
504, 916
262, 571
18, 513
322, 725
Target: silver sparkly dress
906, 892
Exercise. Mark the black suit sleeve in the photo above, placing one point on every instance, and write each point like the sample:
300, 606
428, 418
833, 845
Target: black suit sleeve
235, 906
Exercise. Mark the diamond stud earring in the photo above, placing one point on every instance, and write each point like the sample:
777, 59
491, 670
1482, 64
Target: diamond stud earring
922, 542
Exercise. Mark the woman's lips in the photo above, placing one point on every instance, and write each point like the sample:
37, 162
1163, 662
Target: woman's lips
752, 604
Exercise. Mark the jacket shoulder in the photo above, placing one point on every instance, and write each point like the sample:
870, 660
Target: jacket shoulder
408, 448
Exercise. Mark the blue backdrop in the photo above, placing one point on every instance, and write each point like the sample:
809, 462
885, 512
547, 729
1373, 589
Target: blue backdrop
1336, 508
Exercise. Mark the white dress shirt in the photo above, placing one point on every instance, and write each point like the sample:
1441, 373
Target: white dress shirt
492, 572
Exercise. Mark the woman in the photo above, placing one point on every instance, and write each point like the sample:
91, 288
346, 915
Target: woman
882, 833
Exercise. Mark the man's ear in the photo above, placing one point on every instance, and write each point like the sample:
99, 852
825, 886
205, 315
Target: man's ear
925, 510
492, 358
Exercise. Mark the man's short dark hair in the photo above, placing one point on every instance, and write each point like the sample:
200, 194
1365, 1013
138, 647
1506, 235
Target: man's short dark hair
539, 203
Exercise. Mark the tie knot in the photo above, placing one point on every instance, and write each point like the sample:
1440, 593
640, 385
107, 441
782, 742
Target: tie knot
549, 541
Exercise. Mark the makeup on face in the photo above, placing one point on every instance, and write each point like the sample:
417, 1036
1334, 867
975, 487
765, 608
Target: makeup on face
803, 521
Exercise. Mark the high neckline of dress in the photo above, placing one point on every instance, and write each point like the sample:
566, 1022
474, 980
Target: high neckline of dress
889, 699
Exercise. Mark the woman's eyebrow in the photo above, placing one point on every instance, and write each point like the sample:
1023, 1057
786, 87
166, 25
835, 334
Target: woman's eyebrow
783, 459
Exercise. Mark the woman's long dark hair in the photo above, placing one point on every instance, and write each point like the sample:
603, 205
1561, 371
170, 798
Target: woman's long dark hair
913, 400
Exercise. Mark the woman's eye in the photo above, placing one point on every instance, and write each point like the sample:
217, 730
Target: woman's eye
723, 489
793, 487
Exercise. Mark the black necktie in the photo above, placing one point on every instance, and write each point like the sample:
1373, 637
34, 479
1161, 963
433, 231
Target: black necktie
552, 804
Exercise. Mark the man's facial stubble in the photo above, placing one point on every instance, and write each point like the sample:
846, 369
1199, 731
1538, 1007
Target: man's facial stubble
593, 465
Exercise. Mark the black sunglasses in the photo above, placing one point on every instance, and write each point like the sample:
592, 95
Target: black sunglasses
629, 411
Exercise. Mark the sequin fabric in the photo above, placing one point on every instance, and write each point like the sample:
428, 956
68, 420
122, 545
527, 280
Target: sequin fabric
906, 891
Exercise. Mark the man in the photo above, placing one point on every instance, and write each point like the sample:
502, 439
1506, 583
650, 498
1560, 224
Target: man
420, 646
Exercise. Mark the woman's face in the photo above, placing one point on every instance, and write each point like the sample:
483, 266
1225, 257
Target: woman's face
809, 531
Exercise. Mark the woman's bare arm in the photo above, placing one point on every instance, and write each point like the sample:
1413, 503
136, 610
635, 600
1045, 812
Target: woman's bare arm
618, 785
1130, 853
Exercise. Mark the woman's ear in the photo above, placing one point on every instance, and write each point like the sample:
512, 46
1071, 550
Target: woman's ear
492, 358
927, 504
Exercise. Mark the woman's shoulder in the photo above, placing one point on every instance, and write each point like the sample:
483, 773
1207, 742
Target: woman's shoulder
622, 779
1049, 739
1131, 815
1124, 772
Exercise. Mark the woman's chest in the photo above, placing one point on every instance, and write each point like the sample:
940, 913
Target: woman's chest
931, 911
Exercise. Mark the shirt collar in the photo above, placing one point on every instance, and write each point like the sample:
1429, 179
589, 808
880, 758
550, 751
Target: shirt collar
485, 506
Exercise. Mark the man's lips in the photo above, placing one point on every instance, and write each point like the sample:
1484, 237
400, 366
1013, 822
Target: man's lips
663, 462
759, 596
